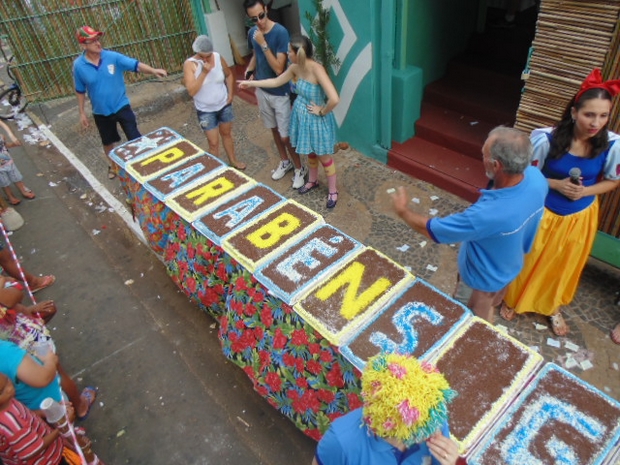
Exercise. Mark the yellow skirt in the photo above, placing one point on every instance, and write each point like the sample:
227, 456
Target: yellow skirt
552, 269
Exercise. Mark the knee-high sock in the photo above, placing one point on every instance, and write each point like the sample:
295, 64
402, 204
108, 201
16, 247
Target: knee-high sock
330, 172
313, 167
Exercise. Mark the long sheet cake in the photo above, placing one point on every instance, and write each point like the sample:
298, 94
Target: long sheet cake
237, 212
419, 321
339, 306
487, 368
306, 263
557, 419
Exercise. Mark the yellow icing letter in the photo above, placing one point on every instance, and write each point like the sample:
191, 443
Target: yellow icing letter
165, 157
353, 304
270, 234
210, 191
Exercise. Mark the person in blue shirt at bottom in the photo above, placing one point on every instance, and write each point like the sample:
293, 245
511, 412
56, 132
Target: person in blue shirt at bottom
403, 420
100, 73
496, 231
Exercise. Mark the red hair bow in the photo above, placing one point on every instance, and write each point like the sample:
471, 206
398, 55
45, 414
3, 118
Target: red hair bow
595, 81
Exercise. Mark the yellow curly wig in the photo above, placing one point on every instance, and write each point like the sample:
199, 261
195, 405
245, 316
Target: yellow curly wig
403, 398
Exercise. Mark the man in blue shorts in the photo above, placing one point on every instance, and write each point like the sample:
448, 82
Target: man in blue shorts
100, 73
498, 229
269, 42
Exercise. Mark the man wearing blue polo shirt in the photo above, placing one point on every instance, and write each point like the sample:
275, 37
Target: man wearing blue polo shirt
498, 229
100, 73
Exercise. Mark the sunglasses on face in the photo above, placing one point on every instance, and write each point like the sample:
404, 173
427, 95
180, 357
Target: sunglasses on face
93, 41
260, 17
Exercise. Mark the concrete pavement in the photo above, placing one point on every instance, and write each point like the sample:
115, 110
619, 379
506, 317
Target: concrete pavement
164, 384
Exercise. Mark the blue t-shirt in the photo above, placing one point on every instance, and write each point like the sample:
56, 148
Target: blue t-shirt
606, 165
495, 232
11, 357
104, 83
277, 41
348, 442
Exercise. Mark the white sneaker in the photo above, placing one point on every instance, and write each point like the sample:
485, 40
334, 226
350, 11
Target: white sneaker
283, 168
300, 177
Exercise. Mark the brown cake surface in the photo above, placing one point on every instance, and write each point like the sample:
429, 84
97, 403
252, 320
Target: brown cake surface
347, 303
171, 181
560, 411
144, 144
210, 190
481, 365
282, 218
259, 197
434, 315
164, 159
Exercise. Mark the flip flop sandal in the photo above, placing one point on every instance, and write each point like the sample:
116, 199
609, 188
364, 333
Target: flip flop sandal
28, 194
46, 282
557, 324
507, 313
111, 173
90, 394
239, 166
15, 202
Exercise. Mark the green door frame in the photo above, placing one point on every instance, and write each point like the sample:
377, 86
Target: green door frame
383, 54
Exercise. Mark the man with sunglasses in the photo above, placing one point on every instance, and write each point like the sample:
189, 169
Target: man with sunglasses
269, 42
100, 73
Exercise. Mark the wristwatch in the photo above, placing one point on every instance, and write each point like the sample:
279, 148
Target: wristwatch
265, 47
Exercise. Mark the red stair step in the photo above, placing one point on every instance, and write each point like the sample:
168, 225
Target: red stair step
453, 130
444, 168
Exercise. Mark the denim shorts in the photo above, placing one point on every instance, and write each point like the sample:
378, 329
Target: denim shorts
211, 119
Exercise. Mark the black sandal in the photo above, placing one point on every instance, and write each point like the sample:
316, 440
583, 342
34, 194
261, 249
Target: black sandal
330, 202
308, 187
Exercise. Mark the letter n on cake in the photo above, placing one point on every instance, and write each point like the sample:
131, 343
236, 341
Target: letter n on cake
341, 304
273, 231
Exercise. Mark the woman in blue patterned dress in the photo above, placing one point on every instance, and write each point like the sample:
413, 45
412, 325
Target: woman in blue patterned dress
313, 126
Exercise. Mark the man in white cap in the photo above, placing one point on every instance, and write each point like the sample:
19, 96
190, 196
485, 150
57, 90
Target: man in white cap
100, 73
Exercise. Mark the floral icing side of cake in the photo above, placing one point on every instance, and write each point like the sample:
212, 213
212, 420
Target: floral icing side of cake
557, 419
487, 368
419, 321
342, 304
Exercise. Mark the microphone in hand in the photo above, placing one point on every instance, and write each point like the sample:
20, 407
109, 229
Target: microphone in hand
575, 176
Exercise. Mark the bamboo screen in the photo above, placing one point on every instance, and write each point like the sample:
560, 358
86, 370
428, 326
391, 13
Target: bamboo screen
610, 202
41, 34
572, 38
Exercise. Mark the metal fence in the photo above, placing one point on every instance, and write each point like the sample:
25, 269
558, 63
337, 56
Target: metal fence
41, 35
